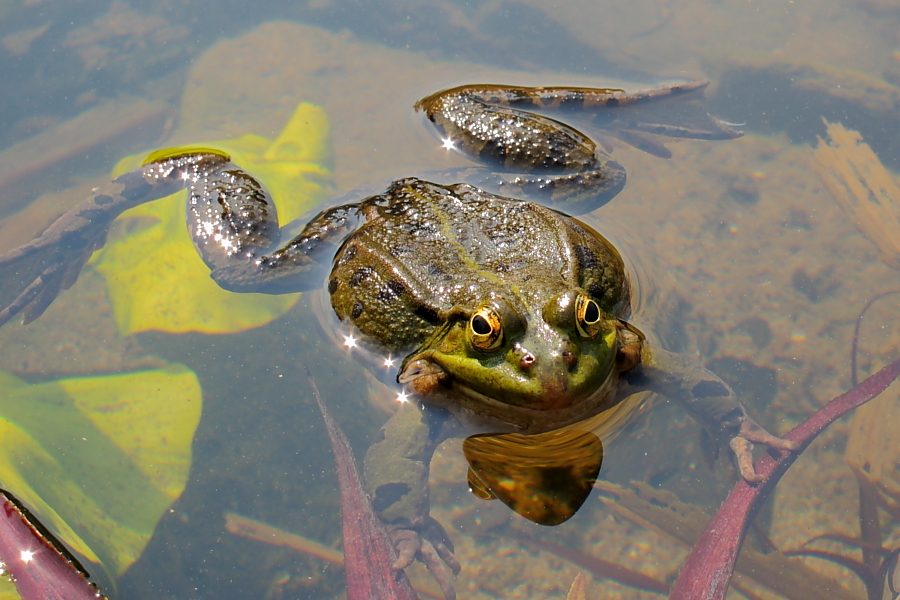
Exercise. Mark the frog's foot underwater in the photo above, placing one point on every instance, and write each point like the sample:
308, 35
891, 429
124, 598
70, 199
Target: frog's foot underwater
429, 543
708, 399
750, 432
507, 311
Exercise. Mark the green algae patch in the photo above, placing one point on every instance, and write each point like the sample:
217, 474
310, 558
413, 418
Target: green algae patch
100, 459
155, 278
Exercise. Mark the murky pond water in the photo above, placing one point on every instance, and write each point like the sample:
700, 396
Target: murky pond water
744, 260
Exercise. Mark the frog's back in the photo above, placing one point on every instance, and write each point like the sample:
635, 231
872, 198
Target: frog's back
426, 248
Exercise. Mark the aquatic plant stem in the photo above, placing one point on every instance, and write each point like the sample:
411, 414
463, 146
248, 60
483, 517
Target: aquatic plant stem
35, 565
710, 565
368, 551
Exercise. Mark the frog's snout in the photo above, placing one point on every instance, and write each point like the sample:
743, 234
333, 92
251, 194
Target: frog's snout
556, 362
527, 360
549, 374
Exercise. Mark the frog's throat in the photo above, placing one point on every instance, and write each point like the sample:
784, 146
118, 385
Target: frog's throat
483, 413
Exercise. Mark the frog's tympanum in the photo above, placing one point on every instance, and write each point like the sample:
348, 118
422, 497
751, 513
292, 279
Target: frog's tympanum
511, 315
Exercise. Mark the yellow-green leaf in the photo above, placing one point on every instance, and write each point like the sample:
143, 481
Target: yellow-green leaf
99, 459
154, 277
8, 590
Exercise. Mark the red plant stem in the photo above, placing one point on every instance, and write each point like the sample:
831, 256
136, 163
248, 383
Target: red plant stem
368, 551
38, 570
708, 569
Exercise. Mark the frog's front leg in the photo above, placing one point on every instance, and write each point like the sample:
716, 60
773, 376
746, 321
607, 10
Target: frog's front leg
396, 475
231, 218
708, 399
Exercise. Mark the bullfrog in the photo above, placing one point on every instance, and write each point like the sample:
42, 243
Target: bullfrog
507, 313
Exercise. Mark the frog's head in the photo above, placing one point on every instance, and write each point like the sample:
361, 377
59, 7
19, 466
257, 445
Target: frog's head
496, 360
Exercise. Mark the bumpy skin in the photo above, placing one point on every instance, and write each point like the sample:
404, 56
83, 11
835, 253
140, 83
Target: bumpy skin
510, 314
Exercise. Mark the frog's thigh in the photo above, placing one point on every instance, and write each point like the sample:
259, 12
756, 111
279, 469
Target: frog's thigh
396, 467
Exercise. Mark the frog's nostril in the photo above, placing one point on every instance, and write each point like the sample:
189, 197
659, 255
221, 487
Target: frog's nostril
568, 357
527, 360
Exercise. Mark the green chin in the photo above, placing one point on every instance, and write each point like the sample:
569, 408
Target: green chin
550, 389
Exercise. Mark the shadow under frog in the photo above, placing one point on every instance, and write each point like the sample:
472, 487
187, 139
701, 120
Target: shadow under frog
511, 314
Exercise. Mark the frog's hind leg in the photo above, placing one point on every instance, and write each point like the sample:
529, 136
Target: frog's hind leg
299, 264
231, 218
33, 275
549, 161
234, 225
573, 193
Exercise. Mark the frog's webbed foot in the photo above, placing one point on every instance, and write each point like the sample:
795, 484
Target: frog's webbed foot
708, 399
42, 282
751, 433
431, 545
34, 274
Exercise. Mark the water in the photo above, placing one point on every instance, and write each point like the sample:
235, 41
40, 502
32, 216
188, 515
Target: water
745, 260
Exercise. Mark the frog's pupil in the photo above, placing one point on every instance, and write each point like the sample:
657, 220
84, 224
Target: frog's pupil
591, 313
480, 325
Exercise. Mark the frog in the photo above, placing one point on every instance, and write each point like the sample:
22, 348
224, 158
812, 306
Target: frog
510, 313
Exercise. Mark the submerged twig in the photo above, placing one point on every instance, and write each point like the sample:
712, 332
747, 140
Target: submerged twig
257, 530
598, 566
849, 541
92, 128
859, 568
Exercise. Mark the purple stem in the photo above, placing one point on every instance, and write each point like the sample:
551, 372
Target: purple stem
368, 552
38, 569
708, 569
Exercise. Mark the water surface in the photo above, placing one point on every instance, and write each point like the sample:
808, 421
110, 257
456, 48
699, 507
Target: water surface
744, 259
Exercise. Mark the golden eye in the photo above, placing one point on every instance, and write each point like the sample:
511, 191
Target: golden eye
588, 318
485, 330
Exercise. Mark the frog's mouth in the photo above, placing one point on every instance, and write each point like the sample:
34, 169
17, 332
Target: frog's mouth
430, 380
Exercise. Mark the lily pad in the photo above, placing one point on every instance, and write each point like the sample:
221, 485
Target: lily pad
99, 460
155, 278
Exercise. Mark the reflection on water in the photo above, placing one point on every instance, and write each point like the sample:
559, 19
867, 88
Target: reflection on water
746, 261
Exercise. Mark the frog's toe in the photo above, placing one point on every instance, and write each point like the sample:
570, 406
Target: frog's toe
446, 555
433, 547
407, 544
754, 432
743, 452
751, 433
439, 569
32, 280
14, 306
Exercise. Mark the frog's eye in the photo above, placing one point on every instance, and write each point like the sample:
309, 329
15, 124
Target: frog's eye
485, 330
588, 318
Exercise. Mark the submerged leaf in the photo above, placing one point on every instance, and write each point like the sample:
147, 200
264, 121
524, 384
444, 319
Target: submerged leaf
863, 188
154, 276
99, 460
